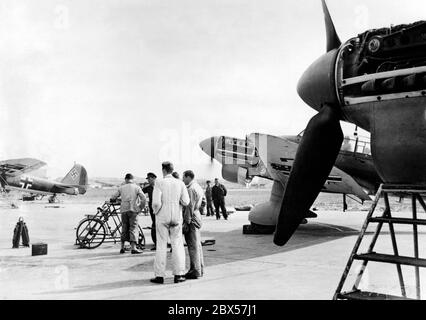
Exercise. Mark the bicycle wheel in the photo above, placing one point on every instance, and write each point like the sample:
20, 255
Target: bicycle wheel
90, 233
141, 240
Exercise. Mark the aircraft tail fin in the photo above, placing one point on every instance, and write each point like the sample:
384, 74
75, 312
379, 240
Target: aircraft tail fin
77, 176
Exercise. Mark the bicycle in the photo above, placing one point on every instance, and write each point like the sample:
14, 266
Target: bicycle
96, 229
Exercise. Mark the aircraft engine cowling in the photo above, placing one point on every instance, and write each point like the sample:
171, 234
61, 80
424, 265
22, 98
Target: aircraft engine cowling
236, 174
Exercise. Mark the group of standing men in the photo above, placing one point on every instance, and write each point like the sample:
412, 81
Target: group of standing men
216, 195
174, 207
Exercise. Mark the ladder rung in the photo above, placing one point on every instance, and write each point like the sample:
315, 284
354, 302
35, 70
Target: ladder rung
404, 188
365, 295
399, 220
387, 258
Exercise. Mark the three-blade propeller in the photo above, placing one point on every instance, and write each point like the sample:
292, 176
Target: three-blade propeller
316, 155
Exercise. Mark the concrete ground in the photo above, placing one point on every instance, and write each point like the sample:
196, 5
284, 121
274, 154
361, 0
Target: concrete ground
237, 267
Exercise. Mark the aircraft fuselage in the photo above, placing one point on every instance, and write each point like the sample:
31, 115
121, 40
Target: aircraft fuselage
37, 185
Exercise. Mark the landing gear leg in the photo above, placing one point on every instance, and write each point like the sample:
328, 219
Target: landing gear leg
345, 204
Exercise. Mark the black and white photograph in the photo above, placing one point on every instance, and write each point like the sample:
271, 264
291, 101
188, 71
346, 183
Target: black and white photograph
211, 155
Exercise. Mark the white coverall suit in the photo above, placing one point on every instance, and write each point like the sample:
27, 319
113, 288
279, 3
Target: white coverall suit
168, 197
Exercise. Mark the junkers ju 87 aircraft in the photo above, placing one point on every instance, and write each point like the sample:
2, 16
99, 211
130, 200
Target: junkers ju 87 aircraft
377, 81
272, 158
13, 176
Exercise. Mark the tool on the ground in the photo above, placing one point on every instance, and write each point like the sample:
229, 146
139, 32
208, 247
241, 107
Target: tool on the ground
20, 232
39, 249
416, 193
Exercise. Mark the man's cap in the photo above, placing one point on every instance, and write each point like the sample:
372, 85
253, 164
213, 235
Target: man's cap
129, 176
151, 175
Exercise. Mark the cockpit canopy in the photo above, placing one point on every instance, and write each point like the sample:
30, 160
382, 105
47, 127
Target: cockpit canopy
358, 144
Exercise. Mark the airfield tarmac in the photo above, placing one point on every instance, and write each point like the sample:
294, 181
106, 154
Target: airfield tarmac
237, 267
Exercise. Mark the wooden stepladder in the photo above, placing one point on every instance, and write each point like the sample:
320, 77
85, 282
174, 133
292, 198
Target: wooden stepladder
415, 193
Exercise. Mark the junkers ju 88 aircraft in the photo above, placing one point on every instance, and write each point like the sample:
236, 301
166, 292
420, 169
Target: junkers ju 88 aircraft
377, 81
272, 157
13, 176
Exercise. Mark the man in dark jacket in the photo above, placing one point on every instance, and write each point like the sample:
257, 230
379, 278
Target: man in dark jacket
148, 190
218, 194
209, 199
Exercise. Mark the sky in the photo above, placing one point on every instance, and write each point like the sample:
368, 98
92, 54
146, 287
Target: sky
122, 85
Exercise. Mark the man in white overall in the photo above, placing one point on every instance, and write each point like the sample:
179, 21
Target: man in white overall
169, 195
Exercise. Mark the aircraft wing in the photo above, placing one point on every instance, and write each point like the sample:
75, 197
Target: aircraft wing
16, 167
341, 182
278, 154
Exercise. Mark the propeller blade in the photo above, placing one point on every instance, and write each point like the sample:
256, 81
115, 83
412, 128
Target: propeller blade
316, 155
333, 41
212, 149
